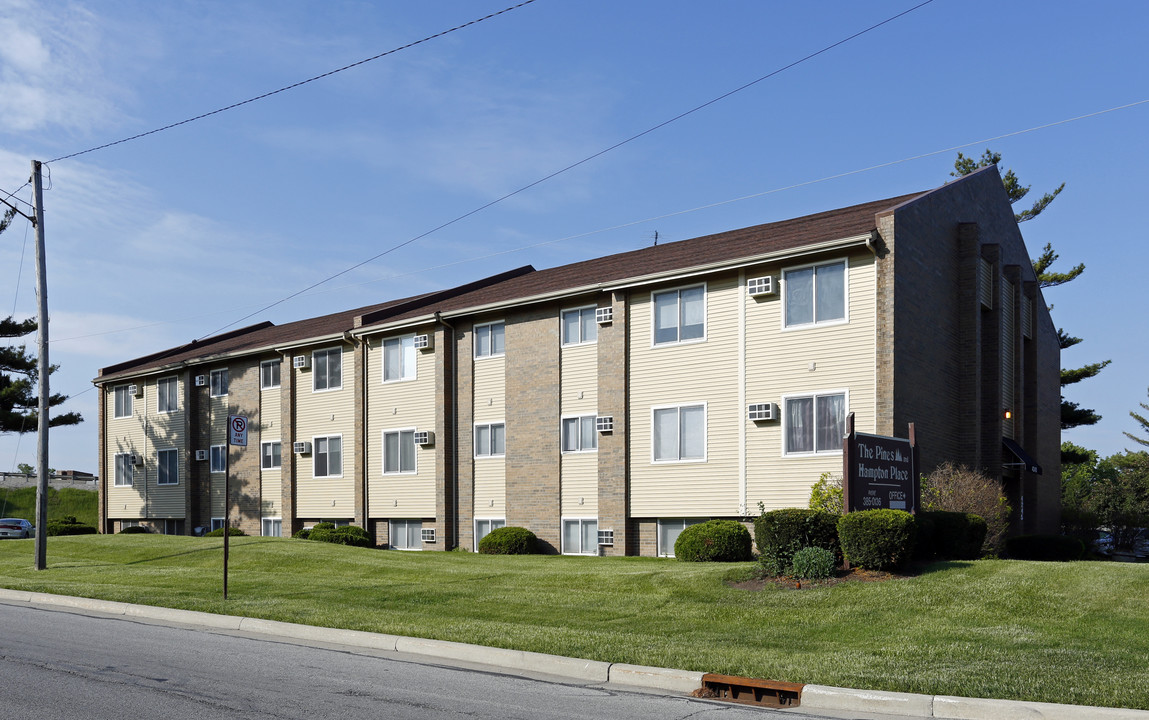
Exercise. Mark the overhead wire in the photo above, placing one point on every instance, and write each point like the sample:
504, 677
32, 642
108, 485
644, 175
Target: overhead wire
574, 165
293, 85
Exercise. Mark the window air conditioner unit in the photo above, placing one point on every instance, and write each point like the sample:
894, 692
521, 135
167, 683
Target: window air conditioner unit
758, 412
604, 423
301, 448
428, 535
200, 380
201, 454
137, 459
425, 437
759, 286
137, 390
424, 342
301, 362
603, 315
606, 537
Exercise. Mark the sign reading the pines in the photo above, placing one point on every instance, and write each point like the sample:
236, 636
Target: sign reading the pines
880, 472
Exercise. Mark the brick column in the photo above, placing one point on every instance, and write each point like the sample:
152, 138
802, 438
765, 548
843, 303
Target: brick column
464, 437
446, 440
290, 524
243, 462
614, 447
359, 455
199, 438
102, 462
969, 333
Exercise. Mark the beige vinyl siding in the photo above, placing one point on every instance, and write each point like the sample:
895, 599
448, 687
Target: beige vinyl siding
125, 435
271, 481
779, 362
699, 372
579, 471
166, 431
323, 414
490, 389
400, 405
490, 487
217, 419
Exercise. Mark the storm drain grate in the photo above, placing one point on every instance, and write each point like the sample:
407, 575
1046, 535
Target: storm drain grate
752, 691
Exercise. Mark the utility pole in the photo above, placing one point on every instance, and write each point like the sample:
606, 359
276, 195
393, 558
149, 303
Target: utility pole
42, 369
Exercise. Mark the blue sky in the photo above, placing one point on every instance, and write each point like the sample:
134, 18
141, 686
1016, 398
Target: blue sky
173, 236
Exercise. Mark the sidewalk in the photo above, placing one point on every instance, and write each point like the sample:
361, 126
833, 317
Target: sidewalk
813, 698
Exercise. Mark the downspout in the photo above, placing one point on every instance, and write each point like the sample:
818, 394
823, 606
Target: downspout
452, 474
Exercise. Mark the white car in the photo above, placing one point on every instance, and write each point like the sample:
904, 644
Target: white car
16, 528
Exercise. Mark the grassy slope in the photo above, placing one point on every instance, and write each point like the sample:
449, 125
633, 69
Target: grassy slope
21, 503
1055, 632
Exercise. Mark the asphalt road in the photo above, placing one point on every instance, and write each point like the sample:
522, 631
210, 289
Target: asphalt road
62, 664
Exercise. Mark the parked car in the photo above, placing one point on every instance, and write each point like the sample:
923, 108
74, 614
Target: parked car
16, 528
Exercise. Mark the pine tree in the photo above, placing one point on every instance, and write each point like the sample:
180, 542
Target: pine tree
1141, 420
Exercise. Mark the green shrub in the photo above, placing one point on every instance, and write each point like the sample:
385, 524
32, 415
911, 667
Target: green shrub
1045, 547
826, 494
218, 532
877, 539
68, 525
323, 526
714, 541
304, 534
134, 530
959, 489
509, 540
813, 563
781, 533
946, 535
347, 535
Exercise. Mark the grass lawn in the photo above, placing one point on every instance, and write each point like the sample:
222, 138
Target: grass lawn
21, 503
1054, 632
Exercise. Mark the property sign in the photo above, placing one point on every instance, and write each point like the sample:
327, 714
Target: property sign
237, 430
880, 472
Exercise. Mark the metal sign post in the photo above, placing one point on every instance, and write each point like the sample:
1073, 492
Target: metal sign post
237, 436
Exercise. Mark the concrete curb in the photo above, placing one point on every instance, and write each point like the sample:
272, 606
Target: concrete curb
814, 697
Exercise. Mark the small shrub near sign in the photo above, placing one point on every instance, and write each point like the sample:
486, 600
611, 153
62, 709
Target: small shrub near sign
877, 539
813, 563
509, 540
714, 541
781, 533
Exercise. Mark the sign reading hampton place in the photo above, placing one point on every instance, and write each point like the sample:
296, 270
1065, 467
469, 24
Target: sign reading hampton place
882, 473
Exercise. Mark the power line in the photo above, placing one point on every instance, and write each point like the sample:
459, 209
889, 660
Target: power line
574, 165
294, 85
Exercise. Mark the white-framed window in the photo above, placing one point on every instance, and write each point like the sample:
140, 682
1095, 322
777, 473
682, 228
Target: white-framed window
486, 525
580, 536
490, 339
167, 395
579, 326
218, 458
679, 315
490, 440
406, 534
217, 524
168, 467
270, 455
272, 527
399, 359
398, 451
327, 369
123, 396
678, 433
579, 434
327, 456
219, 382
813, 423
269, 374
814, 294
668, 531
124, 470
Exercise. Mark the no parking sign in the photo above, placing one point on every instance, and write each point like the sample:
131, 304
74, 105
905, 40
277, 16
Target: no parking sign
237, 430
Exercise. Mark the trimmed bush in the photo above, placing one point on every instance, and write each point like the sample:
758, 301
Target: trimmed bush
134, 530
946, 535
347, 535
1045, 547
68, 525
781, 533
218, 532
813, 563
714, 541
509, 540
304, 534
877, 539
